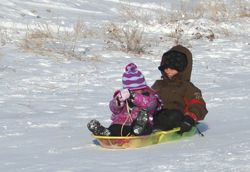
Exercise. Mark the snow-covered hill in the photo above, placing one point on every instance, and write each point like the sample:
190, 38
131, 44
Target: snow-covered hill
45, 103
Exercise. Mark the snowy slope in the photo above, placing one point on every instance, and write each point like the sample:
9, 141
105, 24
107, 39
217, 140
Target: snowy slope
46, 103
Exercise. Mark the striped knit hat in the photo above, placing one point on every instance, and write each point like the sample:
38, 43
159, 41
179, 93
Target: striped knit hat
132, 78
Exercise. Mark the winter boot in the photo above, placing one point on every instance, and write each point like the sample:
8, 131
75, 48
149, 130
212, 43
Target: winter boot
97, 129
140, 123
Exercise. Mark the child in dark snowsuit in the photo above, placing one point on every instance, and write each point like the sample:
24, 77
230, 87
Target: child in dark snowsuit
183, 102
133, 107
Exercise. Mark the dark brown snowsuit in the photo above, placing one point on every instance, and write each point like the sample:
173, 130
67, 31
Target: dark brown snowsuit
179, 93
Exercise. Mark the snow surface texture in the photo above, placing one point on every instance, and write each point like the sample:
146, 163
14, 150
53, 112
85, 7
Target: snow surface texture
45, 104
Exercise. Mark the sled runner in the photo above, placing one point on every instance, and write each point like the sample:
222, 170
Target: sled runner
120, 142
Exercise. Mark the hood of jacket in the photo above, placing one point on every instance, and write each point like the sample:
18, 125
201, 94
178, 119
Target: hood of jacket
186, 74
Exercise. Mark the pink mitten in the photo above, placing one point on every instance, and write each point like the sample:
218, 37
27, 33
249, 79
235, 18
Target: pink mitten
124, 95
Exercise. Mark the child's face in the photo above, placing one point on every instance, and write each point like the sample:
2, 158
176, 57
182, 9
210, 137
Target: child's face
170, 72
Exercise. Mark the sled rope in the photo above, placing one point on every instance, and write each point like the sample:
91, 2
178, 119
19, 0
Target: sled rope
129, 115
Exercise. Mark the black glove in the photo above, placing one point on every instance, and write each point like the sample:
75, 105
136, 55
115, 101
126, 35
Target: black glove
186, 124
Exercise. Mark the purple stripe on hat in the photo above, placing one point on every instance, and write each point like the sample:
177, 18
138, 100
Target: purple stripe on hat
129, 74
136, 81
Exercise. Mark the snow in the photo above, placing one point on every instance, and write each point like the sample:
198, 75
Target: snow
46, 102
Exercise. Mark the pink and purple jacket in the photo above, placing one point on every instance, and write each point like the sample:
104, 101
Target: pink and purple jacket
124, 116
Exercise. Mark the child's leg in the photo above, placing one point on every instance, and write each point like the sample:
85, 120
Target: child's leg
97, 129
168, 119
119, 130
145, 129
141, 124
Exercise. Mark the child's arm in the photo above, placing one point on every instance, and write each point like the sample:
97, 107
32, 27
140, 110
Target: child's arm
195, 106
118, 102
116, 107
148, 102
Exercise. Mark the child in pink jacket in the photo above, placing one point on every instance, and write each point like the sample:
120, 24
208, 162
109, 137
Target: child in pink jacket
133, 107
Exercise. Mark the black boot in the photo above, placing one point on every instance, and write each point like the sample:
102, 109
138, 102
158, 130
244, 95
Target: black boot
97, 129
141, 123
